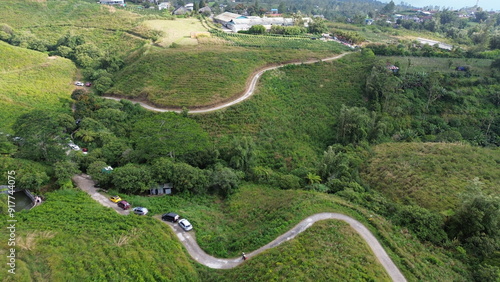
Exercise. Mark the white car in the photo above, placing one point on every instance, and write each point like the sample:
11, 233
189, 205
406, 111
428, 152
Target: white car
74, 146
79, 83
184, 224
140, 210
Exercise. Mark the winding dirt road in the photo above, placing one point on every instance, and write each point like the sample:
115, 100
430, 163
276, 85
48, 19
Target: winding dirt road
188, 239
249, 91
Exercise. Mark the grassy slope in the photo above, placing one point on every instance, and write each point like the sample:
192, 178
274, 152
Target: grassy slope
292, 115
73, 238
31, 80
431, 174
256, 215
107, 28
328, 251
176, 31
198, 76
445, 65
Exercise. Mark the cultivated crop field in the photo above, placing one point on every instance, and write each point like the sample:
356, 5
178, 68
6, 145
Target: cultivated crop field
426, 173
282, 42
176, 31
197, 76
446, 65
293, 112
32, 80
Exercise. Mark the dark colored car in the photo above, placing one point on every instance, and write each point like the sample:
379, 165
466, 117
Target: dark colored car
88, 84
124, 205
172, 217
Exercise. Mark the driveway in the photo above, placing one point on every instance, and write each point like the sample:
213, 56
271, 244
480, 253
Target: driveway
86, 183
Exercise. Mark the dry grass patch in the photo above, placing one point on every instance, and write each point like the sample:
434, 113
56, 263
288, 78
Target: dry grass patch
177, 31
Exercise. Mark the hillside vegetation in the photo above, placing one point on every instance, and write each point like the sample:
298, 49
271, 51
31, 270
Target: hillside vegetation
431, 175
196, 76
72, 237
31, 80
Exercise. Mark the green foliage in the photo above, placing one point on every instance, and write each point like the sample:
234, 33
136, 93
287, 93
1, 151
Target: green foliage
280, 42
225, 181
168, 134
339, 167
319, 252
348, 36
31, 80
257, 29
131, 178
426, 225
71, 236
64, 170
426, 173
353, 125
96, 171
476, 222
317, 26
220, 73
292, 118
43, 135
188, 179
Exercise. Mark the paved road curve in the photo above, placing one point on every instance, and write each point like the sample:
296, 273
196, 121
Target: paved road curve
188, 239
249, 91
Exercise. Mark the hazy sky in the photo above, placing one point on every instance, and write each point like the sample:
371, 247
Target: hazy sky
455, 4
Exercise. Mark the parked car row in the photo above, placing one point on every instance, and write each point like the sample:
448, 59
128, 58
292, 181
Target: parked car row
173, 217
125, 205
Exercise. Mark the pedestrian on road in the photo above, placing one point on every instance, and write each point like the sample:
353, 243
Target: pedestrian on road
244, 256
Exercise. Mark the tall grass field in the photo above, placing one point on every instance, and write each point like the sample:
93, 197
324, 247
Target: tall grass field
32, 80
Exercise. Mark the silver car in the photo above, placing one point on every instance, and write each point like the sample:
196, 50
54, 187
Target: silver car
184, 224
140, 210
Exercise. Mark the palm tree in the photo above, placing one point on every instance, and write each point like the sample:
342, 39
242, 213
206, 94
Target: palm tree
313, 178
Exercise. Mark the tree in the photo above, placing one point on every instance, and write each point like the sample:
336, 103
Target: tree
132, 178
340, 162
43, 135
63, 171
476, 222
389, 8
495, 41
186, 178
97, 172
162, 170
425, 224
353, 125
32, 180
224, 181
282, 8
313, 178
317, 26
241, 153
257, 29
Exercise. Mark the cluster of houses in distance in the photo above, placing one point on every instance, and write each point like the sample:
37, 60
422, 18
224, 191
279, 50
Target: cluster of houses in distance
236, 22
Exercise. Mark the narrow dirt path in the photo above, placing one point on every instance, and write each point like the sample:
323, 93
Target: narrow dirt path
249, 91
188, 239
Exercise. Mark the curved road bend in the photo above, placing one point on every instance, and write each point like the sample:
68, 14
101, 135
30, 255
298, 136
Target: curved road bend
188, 239
249, 91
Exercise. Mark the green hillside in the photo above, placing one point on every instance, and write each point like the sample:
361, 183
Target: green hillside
196, 76
30, 80
71, 231
431, 175
71, 237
